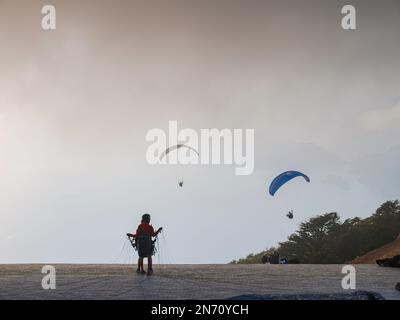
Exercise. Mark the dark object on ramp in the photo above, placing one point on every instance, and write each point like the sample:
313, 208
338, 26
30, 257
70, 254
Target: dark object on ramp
294, 261
265, 259
274, 259
391, 262
397, 287
357, 295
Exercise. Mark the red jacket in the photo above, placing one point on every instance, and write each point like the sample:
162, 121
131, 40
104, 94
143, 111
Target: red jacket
145, 228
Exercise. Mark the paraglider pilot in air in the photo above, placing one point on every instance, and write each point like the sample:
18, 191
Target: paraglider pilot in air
145, 243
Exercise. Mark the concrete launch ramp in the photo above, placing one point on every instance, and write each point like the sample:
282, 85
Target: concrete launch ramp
193, 281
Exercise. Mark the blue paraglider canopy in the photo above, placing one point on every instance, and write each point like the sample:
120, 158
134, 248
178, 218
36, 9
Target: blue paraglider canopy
284, 177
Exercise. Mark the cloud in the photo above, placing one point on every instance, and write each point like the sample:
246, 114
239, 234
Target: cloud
289, 155
382, 119
380, 172
337, 182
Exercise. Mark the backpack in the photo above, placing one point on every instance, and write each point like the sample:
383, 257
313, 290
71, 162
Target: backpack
145, 245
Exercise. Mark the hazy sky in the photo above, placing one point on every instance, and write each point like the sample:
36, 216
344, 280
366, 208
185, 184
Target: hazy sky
76, 104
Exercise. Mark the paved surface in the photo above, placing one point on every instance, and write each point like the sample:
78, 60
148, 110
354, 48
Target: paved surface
190, 281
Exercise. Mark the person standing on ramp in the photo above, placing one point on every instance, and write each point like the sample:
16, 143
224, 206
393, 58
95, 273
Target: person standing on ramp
145, 244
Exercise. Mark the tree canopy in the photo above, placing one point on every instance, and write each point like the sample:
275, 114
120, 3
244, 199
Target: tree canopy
326, 239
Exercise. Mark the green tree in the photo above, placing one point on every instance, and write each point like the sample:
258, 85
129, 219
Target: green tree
310, 243
325, 239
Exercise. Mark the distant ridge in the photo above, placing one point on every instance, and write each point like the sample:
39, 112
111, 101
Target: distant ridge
387, 251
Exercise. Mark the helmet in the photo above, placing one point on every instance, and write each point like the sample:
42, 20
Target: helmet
146, 217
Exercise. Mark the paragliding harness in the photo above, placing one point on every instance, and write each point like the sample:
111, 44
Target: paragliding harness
144, 244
